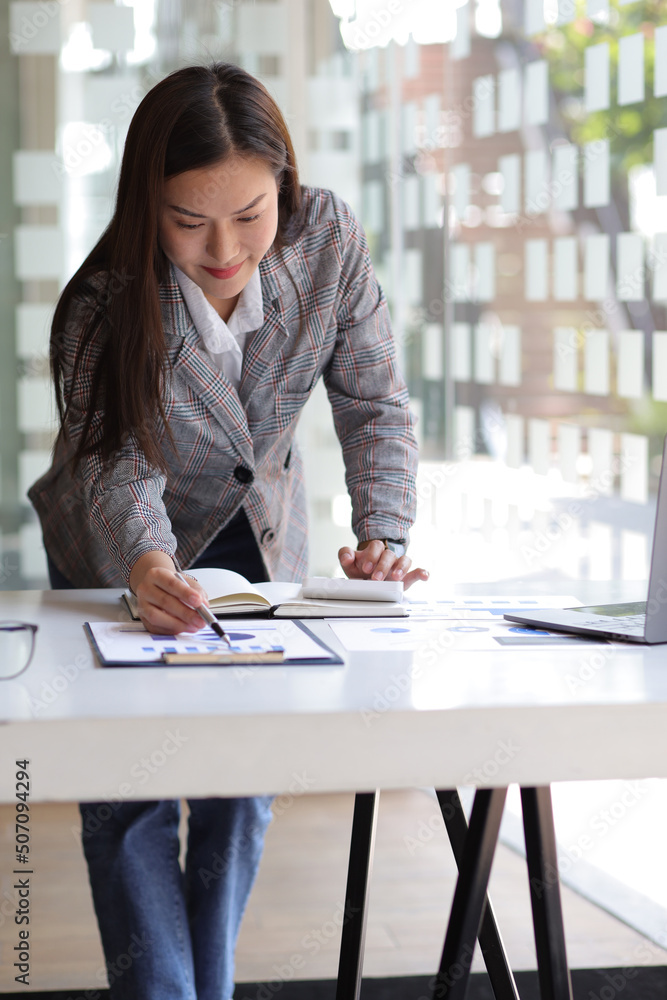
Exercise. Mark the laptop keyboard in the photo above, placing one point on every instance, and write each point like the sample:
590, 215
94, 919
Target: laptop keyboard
628, 623
633, 625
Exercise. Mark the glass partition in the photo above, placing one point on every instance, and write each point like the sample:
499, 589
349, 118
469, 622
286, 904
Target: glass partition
509, 164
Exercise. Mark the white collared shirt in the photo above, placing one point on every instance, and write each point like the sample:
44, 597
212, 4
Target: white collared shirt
224, 342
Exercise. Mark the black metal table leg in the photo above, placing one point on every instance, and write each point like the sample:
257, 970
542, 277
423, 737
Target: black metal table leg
542, 858
362, 844
470, 894
490, 940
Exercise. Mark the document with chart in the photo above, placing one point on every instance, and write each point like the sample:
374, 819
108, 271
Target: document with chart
124, 644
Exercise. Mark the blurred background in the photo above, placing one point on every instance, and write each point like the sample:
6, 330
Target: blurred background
507, 161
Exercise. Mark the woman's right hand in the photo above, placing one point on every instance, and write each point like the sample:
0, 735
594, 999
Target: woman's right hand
165, 603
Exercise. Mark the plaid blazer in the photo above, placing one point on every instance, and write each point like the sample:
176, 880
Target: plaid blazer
325, 315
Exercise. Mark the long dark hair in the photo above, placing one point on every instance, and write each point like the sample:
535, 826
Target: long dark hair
195, 117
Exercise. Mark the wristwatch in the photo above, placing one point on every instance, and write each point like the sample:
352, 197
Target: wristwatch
399, 546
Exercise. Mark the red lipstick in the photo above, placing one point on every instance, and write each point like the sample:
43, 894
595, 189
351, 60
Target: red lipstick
226, 272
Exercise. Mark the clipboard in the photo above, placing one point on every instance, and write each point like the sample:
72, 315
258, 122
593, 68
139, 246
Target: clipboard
256, 643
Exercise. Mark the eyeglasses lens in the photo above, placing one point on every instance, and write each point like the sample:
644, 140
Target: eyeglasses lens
16, 642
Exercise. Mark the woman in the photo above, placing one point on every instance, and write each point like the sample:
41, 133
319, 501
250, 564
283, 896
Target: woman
183, 351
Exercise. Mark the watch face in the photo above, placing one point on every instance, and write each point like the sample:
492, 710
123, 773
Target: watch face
397, 545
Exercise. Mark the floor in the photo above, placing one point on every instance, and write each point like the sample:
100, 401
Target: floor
292, 924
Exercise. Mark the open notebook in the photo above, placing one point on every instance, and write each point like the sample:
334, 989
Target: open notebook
230, 593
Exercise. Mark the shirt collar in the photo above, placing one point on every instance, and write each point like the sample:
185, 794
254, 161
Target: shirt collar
248, 314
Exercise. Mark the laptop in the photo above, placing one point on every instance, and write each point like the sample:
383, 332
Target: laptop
640, 621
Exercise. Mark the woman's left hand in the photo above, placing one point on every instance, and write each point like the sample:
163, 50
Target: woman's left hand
372, 561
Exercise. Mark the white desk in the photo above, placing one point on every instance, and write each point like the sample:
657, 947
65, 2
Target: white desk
383, 720
386, 720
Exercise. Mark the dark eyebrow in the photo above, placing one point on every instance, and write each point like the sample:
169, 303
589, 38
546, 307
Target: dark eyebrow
185, 211
251, 205
198, 215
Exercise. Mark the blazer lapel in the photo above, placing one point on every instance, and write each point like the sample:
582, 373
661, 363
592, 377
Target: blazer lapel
263, 346
206, 381
261, 349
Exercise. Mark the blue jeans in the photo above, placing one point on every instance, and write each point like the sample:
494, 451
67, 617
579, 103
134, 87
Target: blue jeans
169, 934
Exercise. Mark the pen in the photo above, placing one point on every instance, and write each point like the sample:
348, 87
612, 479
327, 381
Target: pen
204, 612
